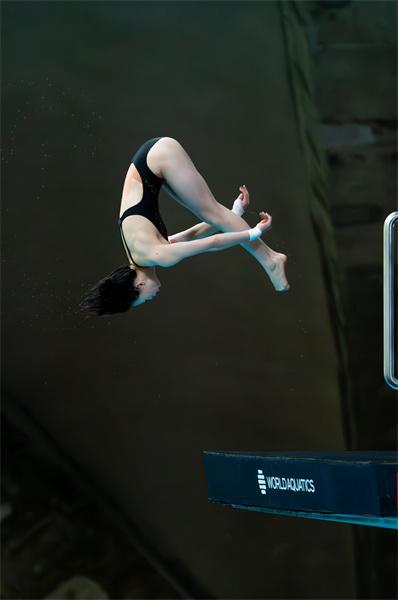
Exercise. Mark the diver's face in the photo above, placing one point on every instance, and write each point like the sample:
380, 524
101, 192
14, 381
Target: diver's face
148, 284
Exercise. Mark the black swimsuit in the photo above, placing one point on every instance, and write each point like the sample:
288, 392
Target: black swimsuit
148, 206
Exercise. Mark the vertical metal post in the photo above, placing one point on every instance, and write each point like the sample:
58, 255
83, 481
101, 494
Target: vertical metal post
389, 312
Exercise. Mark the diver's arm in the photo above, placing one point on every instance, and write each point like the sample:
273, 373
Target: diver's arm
167, 255
196, 232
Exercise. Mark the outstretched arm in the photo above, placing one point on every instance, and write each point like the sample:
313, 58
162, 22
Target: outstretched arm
202, 230
166, 255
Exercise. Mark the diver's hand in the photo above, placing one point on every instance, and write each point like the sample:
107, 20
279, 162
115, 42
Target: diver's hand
242, 202
266, 221
244, 197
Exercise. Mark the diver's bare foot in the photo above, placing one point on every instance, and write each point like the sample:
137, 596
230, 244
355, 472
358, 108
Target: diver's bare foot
276, 272
275, 266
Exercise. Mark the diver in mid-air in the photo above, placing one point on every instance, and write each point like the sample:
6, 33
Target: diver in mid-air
163, 162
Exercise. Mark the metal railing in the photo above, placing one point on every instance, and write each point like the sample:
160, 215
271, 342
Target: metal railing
389, 310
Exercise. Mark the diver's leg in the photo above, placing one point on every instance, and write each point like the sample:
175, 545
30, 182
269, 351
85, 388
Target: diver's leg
191, 190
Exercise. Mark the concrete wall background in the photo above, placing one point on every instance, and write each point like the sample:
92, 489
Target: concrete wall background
219, 361
353, 48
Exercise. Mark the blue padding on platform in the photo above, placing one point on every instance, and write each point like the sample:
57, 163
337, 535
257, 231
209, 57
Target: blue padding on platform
347, 487
386, 522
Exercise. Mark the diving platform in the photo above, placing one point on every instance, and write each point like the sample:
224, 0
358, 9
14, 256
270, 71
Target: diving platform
357, 487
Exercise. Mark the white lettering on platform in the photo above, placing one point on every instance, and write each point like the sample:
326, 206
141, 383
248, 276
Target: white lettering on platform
292, 484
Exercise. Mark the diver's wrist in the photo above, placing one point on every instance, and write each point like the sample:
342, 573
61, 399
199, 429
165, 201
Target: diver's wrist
237, 207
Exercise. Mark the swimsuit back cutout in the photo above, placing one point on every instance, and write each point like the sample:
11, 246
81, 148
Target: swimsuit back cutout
148, 206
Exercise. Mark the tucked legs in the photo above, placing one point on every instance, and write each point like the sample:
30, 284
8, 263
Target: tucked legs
191, 190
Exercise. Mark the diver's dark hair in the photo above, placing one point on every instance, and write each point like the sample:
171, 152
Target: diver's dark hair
112, 294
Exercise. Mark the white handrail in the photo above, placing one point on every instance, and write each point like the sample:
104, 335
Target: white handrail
389, 300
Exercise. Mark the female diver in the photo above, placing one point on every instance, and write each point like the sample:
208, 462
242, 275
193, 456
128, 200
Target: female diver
163, 162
